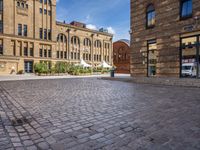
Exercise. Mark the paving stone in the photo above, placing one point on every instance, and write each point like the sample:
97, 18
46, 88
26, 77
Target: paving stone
43, 145
96, 136
96, 114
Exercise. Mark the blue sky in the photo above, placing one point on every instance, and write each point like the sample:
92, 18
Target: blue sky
111, 14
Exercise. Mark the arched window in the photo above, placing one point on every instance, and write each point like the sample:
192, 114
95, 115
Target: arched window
186, 8
151, 16
75, 40
22, 5
87, 42
18, 4
61, 38
97, 44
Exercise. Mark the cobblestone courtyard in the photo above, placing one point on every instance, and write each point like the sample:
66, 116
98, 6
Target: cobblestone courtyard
89, 114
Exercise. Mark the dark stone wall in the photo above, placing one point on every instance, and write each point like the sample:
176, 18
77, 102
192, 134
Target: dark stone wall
167, 31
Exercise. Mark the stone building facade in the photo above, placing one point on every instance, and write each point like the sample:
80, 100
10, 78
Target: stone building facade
29, 33
121, 56
165, 38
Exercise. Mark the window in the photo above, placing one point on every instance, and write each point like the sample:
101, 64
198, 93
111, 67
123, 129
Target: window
25, 51
41, 53
41, 11
20, 29
151, 16
45, 53
49, 53
45, 34
57, 54
1, 49
18, 4
190, 57
65, 55
152, 57
1, 26
61, 54
45, 11
72, 55
31, 52
41, 33
25, 30
45, 1
27, 6
186, 8
49, 12
97, 44
41, 1
1, 5
49, 2
49, 34
22, 5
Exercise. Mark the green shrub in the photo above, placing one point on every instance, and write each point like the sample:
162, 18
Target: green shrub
41, 68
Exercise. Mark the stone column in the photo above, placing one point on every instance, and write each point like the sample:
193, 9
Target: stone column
69, 45
92, 50
81, 48
111, 52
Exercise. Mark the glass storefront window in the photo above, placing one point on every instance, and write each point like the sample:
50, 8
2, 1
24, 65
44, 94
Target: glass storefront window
152, 58
189, 59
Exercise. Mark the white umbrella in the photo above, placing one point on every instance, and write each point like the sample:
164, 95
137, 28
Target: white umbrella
84, 64
104, 65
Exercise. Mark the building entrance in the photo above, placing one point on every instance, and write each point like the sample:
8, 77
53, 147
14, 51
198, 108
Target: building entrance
28, 66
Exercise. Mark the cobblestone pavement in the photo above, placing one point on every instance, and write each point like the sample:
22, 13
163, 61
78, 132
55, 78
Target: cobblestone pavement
90, 114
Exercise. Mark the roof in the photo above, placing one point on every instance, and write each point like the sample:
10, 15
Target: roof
84, 29
124, 41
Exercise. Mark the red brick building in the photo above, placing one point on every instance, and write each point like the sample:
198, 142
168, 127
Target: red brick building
121, 58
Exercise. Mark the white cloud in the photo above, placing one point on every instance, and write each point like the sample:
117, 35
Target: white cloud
91, 26
111, 30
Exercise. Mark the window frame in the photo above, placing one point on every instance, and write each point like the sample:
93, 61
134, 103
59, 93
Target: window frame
1, 49
19, 29
31, 52
147, 12
25, 30
41, 52
181, 9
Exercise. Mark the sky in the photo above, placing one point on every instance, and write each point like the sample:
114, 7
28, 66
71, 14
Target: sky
113, 15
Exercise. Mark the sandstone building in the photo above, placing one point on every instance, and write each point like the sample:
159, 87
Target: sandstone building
165, 38
29, 33
121, 56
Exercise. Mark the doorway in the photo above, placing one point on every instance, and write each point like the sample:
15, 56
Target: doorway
28, 66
